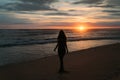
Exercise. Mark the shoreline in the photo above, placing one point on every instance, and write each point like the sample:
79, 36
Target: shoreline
98, 63
22, 54
21, 62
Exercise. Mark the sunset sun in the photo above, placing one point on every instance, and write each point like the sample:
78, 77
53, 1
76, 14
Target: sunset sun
81, 28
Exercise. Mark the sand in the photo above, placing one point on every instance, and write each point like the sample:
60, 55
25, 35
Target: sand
99, 63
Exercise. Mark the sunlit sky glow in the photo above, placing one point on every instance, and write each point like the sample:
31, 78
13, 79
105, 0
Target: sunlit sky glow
45, 14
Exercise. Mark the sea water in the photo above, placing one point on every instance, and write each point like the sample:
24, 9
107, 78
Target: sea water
19, 45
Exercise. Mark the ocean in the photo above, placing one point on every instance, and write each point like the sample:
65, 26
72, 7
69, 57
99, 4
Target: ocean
20, 45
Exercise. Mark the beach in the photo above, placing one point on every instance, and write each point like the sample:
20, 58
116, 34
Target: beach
98, 63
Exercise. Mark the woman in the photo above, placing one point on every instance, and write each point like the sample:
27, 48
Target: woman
62, 48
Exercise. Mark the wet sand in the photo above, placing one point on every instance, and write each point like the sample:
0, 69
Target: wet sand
99, 63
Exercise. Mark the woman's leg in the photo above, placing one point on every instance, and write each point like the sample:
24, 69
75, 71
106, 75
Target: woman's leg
61, 63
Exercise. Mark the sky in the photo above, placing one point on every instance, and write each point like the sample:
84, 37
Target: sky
49, 14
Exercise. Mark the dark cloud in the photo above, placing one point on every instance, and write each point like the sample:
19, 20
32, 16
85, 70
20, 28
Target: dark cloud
88, 2
10, 19
29, 5
109, 24
110, 4
114, 2
111, 11
59, 24
72, 10
59, 14
116, 14
100, 3
105, 6
110, 16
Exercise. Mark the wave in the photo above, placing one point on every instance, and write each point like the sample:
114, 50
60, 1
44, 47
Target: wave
93, 38
53, 40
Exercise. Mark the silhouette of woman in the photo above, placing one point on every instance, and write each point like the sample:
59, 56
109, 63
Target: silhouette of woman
62, 49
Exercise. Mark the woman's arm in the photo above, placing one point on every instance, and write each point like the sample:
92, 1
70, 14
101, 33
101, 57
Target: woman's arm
56, 47
66, 48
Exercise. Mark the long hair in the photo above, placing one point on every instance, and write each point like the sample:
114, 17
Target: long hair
61, 37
